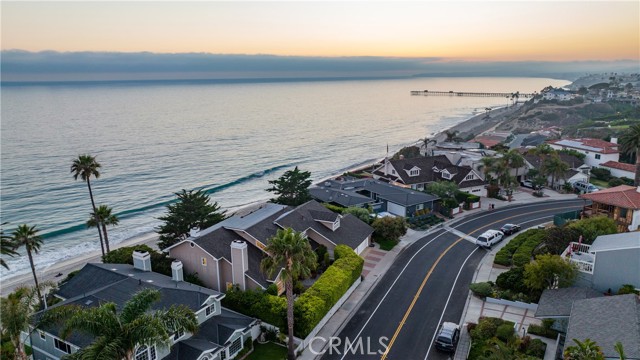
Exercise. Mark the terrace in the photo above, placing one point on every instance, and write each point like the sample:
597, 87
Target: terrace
580, 255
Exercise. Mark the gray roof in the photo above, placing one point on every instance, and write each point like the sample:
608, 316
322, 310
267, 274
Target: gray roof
352, 231
244, 222
341, 197
424, 163
607, 320
190, 349
394, 194
558, 302
630, 240
574, 162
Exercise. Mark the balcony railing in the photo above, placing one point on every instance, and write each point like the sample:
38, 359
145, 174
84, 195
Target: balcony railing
579, 254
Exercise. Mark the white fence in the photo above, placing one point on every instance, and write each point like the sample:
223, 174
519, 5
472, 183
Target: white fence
518, 304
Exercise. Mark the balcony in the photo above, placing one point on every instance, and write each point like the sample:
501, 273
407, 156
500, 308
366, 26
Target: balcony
580, 255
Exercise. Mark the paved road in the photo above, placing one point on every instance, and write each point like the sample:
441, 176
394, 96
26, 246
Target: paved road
428, 284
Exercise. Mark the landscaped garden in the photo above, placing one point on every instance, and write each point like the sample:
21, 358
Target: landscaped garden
267, 351
495, 338
423, 222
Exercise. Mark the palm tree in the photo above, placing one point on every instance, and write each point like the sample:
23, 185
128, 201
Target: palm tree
583, 350
554, 166
451, 135
427, 150
117, 335
27, 236
290, 253
103, 217
84, 167
620, 350
515, 160
17, 311
630, 142
7, 246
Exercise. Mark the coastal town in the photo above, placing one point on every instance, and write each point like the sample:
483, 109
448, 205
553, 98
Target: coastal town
515, 233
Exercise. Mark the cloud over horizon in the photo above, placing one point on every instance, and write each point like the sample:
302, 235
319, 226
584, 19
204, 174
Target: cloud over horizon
25, 66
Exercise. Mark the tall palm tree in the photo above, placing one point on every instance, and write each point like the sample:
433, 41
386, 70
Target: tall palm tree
630, 142
290, 252
427, 149
17, 311
583, 350
101, 218
117, 335
27, 236
451, 135
84, 167
515, 160
7, 246
554, 166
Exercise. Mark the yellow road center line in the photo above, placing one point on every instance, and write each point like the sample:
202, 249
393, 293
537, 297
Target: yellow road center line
424, 281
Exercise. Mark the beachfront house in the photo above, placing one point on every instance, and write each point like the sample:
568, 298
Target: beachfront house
221, 335
621, 203
385, 198
419, 172
229, 253
596, 151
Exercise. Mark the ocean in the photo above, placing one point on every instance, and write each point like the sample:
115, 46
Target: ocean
155, 138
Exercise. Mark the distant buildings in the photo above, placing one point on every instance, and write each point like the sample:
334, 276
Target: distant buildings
596, 151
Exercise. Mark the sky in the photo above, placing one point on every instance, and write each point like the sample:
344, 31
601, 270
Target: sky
409, 35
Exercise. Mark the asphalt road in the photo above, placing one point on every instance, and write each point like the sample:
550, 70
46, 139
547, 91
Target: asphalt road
427, 284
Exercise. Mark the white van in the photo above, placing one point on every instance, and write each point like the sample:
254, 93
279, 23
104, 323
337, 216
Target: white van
489, 238
585, 187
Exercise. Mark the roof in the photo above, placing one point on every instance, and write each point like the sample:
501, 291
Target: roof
607, 320
425, 164
595, 145
558, 302
489, 140
352, 231
338, 196
573, 161
620, 166
623, 196
630, 240
395, 194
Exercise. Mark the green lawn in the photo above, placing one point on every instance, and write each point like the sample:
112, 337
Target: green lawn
268, 351
599, 183
386, 244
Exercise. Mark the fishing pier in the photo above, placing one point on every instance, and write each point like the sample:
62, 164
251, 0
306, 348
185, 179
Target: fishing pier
475, 94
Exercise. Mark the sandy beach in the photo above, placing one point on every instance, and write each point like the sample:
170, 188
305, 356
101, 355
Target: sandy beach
476, 124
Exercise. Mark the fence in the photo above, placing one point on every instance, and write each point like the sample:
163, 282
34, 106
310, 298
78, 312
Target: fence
563, 218
518, 304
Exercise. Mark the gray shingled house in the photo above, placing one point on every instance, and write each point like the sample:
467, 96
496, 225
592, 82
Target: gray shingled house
230, 252
221, 334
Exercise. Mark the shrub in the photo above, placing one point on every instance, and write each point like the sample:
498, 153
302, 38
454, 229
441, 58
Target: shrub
536, 348
601, 174
194, 279
502, 258
389, 228
343, 251
471, 326
505, 332
481, 289
627, 289
593, 227
512, 280
615, 182
486, 328
627, 181
334, 208
272, 289
360, 213
542, 331
259, 304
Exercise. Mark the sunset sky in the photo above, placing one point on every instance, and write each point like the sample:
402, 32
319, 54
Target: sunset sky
477, 30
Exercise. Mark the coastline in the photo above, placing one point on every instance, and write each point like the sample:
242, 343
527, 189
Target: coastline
475, 124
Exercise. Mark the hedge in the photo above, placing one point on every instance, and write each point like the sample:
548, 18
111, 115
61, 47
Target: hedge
519, 250
269, 308
314, 304
481, 289
334, 208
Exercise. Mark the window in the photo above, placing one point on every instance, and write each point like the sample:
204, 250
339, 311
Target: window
419, 206
598, 156
203, 261
469, 177
446, 175
414, 172
146, 353
62, 346
210, 309
223, 354
192, 244
178, 335
236, 346
393, 171
43, 336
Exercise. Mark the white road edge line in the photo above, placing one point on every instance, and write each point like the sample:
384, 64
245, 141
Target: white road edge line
416, 253
454, 286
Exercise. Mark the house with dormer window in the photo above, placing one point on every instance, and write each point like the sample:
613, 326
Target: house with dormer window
230, 252
417, 173
221, 333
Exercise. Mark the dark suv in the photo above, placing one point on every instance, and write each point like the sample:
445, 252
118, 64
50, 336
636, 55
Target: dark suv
447, 338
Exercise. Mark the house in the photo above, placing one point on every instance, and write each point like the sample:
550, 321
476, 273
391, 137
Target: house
578, 170
417, 173
231, 251
221, 334
597, 151
396, 200
607, 264
558, 94
622, 203
582, 314
619, 169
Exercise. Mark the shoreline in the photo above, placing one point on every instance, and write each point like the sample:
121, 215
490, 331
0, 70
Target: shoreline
51, 273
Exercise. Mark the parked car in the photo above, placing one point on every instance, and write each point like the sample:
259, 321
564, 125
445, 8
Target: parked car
489, 238
585, 187
529, 184
509, 229
448, 335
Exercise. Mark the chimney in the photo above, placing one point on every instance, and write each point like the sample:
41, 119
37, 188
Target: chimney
176, 271
239, 262
141, 260
614, 140
194, 232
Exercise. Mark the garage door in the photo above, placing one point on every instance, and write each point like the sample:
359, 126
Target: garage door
396, 209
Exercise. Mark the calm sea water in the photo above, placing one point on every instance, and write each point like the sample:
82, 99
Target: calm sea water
154, 139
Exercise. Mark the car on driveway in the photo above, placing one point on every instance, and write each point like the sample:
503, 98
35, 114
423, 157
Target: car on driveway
448, 335
585, 187
509, 229
529, 184
489, 238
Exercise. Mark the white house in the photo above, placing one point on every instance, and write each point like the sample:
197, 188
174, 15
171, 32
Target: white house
597, 151
619, 169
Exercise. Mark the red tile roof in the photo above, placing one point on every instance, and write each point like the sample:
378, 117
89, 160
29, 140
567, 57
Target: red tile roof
620, 166
623, 196
604, 147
